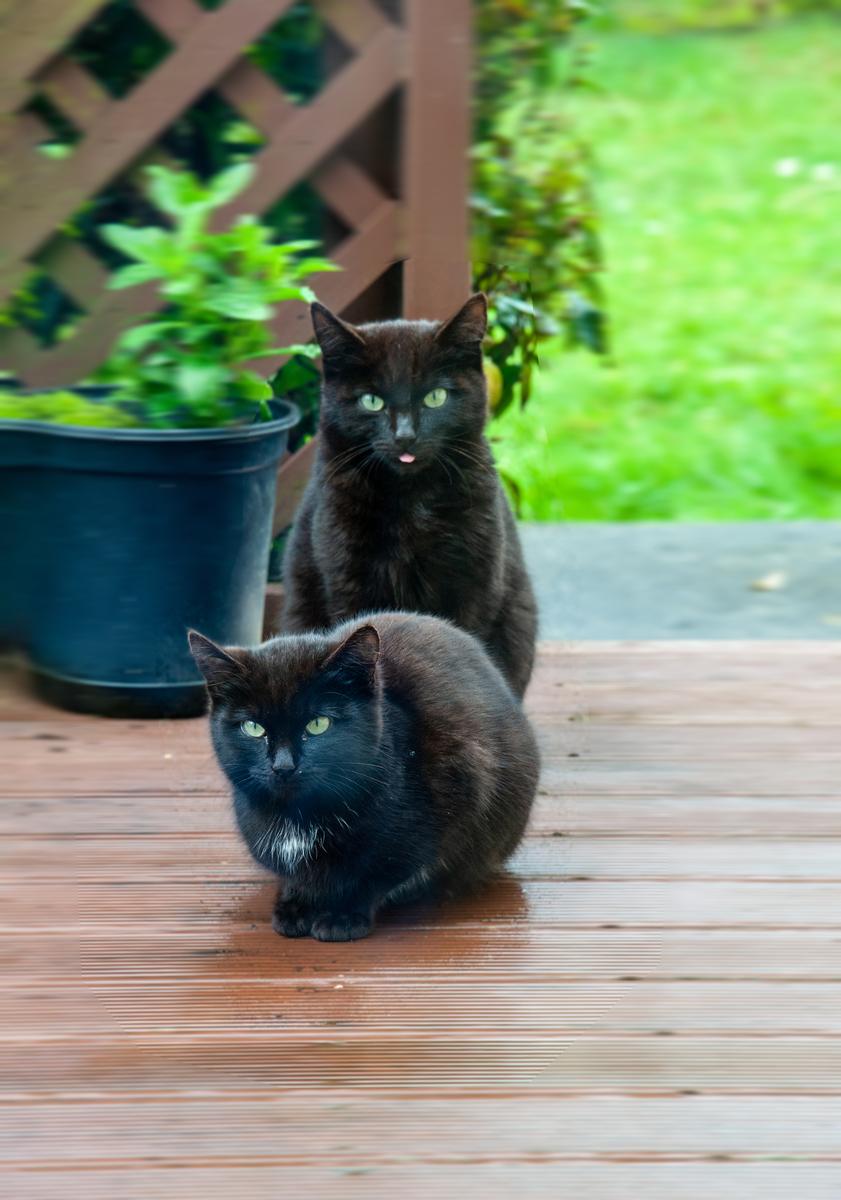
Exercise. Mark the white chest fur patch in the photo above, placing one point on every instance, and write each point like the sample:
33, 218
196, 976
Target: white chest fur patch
293, 845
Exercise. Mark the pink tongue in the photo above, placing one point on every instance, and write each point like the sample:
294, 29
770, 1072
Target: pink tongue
407, 458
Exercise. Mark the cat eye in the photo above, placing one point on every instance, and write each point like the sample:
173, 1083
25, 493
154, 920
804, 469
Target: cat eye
318, 725
372, 403
435, 398
252, 729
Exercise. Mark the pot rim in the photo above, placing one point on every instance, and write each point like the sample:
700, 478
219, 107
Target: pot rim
230, 433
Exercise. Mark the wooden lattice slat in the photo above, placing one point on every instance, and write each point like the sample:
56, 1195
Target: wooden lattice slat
19, 138
79, 273
436, 205
127, 127
357, 22
32, 31
312, 131
347, 190
423, 51
73, 90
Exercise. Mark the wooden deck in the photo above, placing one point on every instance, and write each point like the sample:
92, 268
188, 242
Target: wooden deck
649, 1005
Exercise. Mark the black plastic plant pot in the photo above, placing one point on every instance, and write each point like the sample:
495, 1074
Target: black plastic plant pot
113, 543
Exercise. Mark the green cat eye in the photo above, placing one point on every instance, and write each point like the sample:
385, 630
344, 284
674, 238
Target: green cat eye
318, 725
253, 729
435, 398
372, 403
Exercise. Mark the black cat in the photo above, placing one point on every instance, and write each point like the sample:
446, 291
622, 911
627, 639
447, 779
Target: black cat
385, 761
404, 509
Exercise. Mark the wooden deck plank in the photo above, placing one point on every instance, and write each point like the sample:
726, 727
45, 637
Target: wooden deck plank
161, 858
300, 1128
646, 1003
164, 766
255, 1061
567, 815
688, 904
533, 1180
410, 1007
502, 951
509, 901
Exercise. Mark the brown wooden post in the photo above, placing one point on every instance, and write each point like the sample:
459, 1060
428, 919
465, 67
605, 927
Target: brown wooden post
436, 168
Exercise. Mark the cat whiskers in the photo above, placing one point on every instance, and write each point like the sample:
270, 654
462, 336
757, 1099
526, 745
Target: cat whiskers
343, 461
469, 454
471, 451
443, 461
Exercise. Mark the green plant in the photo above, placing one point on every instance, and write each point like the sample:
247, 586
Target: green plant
299, 380
64, 408
535, 248
189, 365
722, 399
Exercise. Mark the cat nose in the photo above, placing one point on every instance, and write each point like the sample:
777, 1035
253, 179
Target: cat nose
283, 763
404, 431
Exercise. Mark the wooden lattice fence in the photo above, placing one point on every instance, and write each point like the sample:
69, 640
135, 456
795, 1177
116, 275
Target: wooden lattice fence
383, 143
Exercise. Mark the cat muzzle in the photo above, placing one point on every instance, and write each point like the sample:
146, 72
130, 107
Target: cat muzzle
283, 763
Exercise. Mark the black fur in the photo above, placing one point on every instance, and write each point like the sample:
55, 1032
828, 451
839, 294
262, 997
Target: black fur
420, 787
434, 536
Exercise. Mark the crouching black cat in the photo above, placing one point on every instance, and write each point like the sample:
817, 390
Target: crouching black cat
387, 760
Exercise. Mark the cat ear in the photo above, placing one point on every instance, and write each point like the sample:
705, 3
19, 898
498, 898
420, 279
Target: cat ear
469, 325
337, 339
356, 658
219, 668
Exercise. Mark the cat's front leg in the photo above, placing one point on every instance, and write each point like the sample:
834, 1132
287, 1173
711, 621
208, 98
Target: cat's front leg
327, 919
352, 914
293, 915
346, 925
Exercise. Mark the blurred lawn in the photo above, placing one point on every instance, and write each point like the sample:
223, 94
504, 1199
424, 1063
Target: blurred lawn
719, 180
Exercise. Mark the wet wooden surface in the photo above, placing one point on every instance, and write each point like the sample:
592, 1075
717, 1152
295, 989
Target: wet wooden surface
648, 1004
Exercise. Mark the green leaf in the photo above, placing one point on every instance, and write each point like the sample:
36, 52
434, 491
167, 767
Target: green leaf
251, 387
143, 335
176, 192
310, 350
200, 381
229, 183
147, 245
57, 150
293, 292
297, 372
240, 299
178, 287
191, 225
301, 244
242, 134
127, 277
309, 266
587, 323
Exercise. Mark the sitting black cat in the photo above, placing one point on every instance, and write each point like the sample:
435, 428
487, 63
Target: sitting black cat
404, 509
387, 760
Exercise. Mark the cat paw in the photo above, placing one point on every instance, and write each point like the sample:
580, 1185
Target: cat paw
292, 919
340, 927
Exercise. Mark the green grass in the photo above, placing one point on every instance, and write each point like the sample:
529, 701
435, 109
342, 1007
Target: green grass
723, 271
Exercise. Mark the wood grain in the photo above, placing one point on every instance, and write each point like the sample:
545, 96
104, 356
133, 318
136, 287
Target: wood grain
533, 1180
646, 1003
